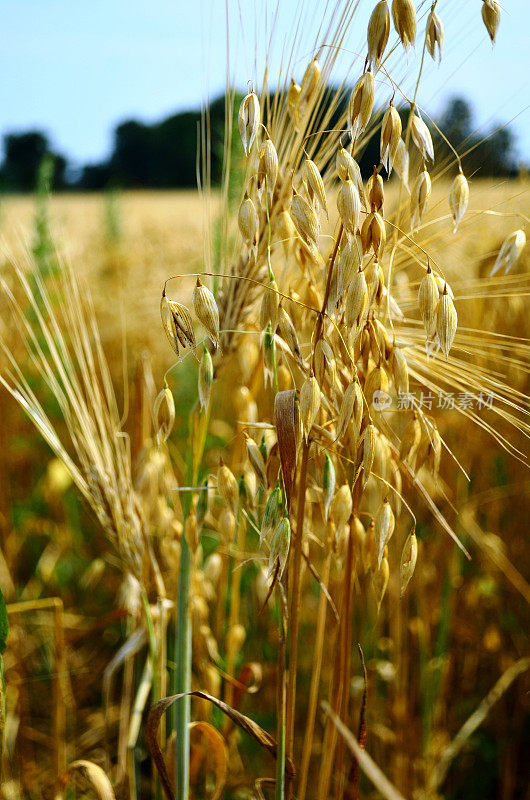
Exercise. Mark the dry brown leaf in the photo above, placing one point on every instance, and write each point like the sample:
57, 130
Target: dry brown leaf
285, 421
219, 752
246, 724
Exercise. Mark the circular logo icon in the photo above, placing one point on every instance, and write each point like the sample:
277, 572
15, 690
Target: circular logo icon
381, 400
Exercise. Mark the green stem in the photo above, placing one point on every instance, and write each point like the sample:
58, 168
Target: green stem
183, 673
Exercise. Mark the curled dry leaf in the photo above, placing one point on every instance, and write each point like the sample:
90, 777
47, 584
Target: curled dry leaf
246, 724
285, 414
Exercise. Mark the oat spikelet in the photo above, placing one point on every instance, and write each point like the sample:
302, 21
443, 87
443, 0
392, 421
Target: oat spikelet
428, 297
271, 515
227, 486
206, 311
248, 221
380, 582
400, 371
308, 87
256, 460
281, 539
315, 184
349, 207
384, 528
446, 322
419, 199
369, 445
309, 403
178, 325
286, 231
305, 220
458, 199
373, 233
390, 137
205, 379
341, 508
293, 101
404, 16
421, 136
346, 408
269, 307
511, 249
356, 300
361, 104
249, 120
288, 332
409, 557
376, 192
267, 168
351, 257
378, 31
491, 15
410, 441
165, 401
434, 35
401, 164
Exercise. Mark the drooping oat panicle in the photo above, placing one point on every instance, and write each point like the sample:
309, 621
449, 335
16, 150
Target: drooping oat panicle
511, 249
271, 515
404, 17
356, 300
164, 401
227, 486
428, 297
206, 310
421, 136
305, 219
281, 539
328, 484
401, 164
249, 120
419, 199
205, 379
248, 221
407, 564
315, 184
491, 15
349, 207
309, 403
373, 233
378, 32
390, 137
341, 508
446, 322
361, 104
458, 199
257, 461
178, 325
434, 35
384, 528
267, 174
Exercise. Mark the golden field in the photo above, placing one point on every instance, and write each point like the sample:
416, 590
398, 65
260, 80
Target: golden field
431, 660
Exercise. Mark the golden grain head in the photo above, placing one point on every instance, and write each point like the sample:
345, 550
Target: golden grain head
404, 17
206, 310
361, 104
378, 32
407, 564
249, 120
421, 136
428, 297
309, 403
349, 206
384, 528
491, 15
390, 137
419, 199
446, 322
227, 486
434, 35
458, 199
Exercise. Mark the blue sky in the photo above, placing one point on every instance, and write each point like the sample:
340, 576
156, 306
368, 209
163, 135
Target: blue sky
77, 68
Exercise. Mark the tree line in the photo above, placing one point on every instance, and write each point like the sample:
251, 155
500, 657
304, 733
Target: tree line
162, 155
